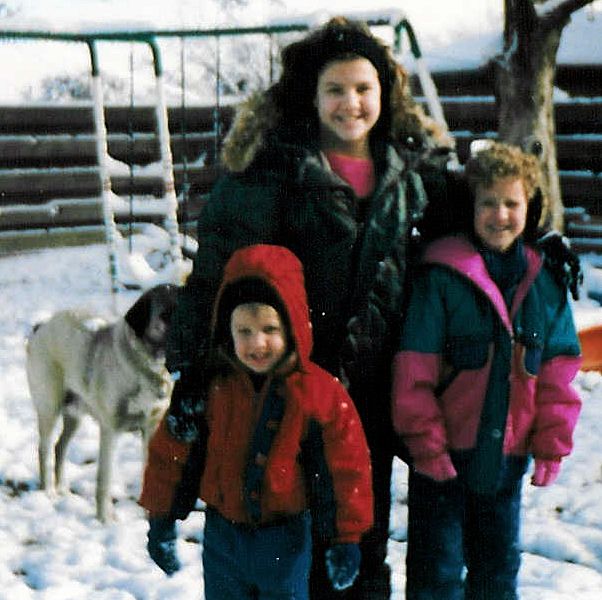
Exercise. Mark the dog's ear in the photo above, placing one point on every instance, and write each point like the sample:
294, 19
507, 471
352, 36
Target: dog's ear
159, 300
138, 315
164, 301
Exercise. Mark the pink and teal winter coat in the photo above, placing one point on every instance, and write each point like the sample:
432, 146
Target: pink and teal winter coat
457, 332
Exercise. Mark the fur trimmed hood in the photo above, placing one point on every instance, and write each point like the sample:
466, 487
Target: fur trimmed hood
254, 117
257, 118
281, 115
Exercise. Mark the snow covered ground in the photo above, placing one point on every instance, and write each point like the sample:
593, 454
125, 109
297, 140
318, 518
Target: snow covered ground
55, 549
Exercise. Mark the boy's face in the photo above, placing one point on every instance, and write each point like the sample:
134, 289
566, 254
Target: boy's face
500, 213
259, 336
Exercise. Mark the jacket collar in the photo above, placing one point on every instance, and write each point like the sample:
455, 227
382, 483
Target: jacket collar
457, 253
314, 169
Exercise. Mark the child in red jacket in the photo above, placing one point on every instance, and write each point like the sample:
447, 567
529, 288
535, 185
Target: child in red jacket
283, 446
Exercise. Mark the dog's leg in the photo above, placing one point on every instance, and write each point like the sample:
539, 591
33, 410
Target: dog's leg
70, 425
46, 391
147, 430
45, 437
103, 480
46, 422
146, 435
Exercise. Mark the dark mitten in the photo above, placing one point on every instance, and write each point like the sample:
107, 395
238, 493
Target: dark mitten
161, 544
562, 261
343, 565
187, 406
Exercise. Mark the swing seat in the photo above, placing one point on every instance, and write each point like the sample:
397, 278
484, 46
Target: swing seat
591, 348
136, 273
145, 260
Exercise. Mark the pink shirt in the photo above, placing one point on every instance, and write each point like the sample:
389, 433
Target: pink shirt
357, 172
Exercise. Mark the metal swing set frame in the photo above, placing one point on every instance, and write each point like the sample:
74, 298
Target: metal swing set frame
178, 266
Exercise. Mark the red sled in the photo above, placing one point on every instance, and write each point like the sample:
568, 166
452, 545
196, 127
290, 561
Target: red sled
591, 348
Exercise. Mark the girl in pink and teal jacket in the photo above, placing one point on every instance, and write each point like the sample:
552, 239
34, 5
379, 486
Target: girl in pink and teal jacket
482, 382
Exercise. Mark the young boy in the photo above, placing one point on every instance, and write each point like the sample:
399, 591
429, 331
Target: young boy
481, 382
283, 445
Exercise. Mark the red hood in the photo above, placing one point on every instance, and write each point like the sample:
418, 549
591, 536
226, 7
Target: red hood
280, 269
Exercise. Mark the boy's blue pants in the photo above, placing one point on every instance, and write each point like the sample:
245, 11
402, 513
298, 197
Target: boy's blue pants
268, 562
463, 545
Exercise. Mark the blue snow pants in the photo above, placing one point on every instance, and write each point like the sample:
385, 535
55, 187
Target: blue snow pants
270, 562
463, 545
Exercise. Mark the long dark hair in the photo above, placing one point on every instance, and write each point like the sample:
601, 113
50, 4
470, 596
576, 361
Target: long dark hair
304, 60
286, 111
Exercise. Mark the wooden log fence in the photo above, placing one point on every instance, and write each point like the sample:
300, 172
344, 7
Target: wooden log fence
49, 175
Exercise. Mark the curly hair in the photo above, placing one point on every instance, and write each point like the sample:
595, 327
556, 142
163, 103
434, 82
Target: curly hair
498, 161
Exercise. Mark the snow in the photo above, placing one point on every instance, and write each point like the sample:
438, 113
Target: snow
53, 548
449, 38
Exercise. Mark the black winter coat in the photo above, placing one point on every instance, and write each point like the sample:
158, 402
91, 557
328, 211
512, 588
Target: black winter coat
354, 262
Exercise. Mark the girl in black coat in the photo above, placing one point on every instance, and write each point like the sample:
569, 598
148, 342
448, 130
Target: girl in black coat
335, 161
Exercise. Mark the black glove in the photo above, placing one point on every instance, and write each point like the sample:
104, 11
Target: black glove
187, 406
343, 565
161, 544
562, 261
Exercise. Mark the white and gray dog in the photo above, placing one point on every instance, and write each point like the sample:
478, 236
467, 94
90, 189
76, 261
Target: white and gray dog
114, 371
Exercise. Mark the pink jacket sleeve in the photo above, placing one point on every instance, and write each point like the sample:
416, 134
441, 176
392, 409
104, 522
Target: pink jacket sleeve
557, 408
416, 413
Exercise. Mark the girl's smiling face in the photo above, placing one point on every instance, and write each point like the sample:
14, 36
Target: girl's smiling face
259, 336
500, 213
348, 104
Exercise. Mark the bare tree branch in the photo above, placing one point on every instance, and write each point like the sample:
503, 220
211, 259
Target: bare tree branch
520, 18
561, 13
520, 24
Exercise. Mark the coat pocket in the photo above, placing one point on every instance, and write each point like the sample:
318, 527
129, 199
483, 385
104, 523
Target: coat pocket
533, 352
533, 360
462, 353
466, 352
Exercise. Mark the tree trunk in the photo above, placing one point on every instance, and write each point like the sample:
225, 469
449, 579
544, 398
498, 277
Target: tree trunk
524, 95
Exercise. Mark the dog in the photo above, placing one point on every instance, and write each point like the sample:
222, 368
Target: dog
114, 371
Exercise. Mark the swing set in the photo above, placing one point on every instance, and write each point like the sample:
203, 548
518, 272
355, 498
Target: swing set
129, 267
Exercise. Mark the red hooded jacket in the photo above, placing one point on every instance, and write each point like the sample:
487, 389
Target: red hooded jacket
312, 399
